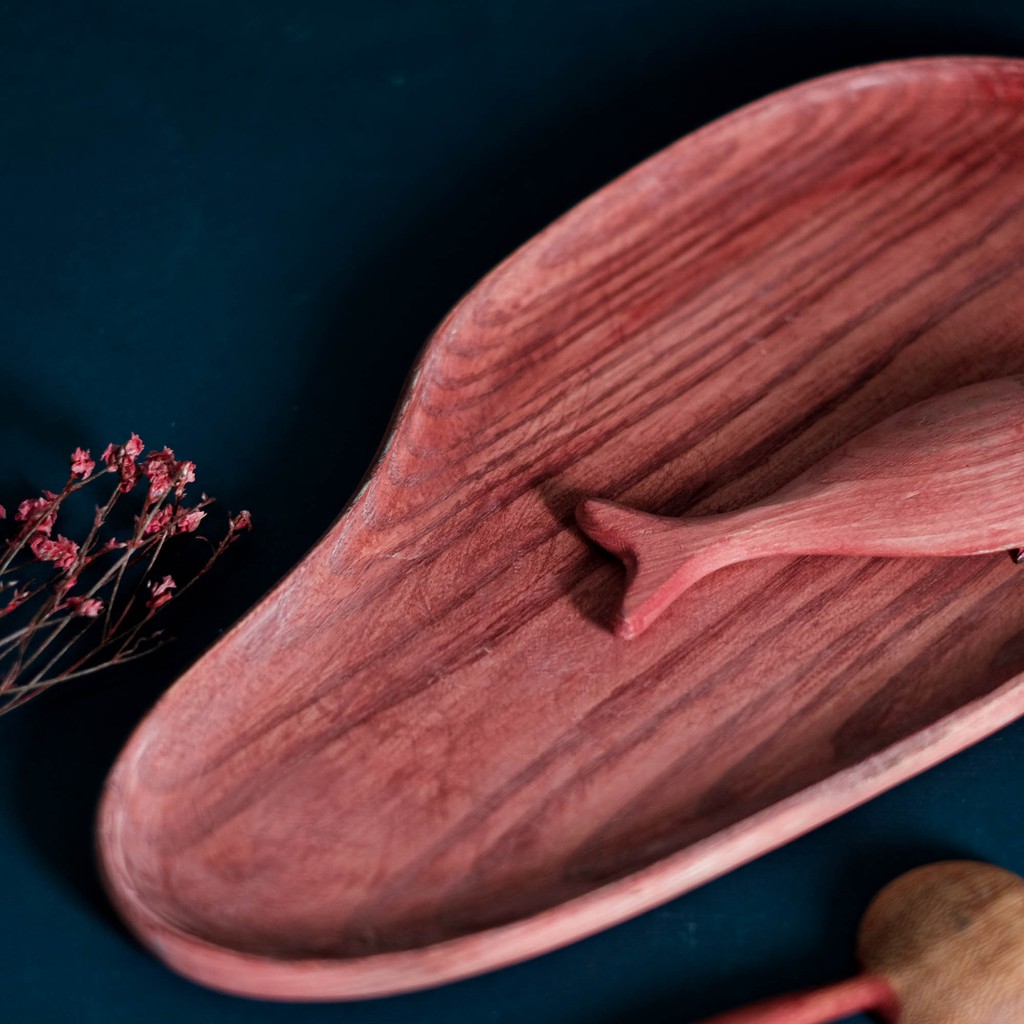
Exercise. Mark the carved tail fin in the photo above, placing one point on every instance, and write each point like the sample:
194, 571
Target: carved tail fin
663, 556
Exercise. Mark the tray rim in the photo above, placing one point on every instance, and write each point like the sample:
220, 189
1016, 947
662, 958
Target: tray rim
422, 967
391, 973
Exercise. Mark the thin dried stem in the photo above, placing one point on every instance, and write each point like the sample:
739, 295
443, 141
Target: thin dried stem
104, 586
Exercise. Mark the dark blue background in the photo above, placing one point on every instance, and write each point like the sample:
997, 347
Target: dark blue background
230, 226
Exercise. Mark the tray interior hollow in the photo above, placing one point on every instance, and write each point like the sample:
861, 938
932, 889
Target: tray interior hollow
428, 734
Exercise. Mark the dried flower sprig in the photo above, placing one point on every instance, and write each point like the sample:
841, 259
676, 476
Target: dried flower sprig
74, 608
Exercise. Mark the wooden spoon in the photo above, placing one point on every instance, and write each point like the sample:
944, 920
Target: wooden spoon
935, 479
942, 944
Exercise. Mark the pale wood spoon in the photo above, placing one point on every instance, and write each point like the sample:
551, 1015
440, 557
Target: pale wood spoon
942, 944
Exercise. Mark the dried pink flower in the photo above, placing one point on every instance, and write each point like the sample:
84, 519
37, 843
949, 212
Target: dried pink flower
87, 607
188, 520
185, 473
38, 512
160, 593
31, 506
167, 583
121, 459
160, 519
133, 447
62, 552
115, 454
159, 470
165, 472
52, 645
81, 464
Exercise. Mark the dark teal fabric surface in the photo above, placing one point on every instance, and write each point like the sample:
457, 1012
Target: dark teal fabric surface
230, 226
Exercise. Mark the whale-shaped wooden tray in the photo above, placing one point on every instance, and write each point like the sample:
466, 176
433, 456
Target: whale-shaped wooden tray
425, 754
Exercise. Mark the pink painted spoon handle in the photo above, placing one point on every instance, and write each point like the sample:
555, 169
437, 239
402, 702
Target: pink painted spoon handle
821, 1006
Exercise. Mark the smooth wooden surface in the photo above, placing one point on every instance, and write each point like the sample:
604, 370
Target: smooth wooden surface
950, 939
425, 754
939, 478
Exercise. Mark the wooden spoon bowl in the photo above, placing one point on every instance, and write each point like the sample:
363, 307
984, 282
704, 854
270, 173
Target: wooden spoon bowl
950, 939
425, 754
942, 944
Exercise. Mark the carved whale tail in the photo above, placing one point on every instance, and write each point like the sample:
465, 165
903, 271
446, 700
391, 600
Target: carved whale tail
663, 556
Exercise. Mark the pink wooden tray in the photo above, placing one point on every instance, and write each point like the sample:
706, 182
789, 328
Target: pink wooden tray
425, 754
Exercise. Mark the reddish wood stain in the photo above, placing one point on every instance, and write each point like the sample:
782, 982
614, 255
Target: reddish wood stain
939, 478
425, 754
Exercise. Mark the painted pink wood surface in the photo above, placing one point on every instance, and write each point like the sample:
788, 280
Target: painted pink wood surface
425, 754
940, 478
863, 994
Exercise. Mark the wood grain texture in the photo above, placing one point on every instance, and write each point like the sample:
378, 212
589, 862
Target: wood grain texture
940, 478
425, 754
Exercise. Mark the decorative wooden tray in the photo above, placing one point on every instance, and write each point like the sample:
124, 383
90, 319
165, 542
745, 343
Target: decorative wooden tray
425, 754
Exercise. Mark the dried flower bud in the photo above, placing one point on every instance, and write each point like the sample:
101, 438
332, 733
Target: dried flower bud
62, 552
165, 472
160, 593
160, 519
18, 598
184, 474
38, 512
133, 447
243, 521
87, 607
121, 459
159, 470
81, 464
188, 520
